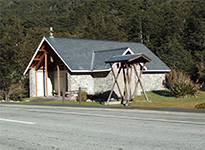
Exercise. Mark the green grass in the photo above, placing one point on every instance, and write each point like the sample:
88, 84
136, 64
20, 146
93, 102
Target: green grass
159, 99
71, 102
30, 99
165, 99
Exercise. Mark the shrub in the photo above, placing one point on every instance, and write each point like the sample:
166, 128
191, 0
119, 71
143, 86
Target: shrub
16, 91
84, 95
200, 106
180, 84
1, 95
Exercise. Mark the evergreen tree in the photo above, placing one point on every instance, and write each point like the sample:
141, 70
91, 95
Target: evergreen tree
12, 55
174, 30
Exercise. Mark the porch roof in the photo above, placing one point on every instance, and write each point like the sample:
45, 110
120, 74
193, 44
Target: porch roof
133, 58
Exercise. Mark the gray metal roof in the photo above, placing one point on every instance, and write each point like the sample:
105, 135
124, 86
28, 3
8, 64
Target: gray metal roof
101, 56
128, 58
86, 54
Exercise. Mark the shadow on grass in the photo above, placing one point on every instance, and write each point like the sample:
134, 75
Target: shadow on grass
164, 93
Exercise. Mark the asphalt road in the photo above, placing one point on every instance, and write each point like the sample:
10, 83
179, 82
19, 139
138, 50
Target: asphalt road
78, 128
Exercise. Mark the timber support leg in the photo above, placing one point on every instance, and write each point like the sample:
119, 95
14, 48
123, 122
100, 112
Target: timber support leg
115, 77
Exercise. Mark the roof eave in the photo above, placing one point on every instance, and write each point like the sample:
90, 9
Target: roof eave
91, 71
162, 71
104, 70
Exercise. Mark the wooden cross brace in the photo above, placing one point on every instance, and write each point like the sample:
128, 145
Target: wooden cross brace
127, 94
139, 81
116, 77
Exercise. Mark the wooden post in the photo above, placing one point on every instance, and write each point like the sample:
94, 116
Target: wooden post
125, 86
58, 74
128, 83
46, 74
139, 81
63, 96
145, 95
130, 79
79, 95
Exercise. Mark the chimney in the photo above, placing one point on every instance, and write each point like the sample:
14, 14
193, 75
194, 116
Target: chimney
51, 32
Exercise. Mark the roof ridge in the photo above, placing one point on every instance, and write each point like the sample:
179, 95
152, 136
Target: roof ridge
92, 61
93, 39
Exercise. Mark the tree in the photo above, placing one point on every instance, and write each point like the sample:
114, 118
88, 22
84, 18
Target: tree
12, 58
173, 30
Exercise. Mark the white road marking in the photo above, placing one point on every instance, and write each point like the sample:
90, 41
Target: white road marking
16, 121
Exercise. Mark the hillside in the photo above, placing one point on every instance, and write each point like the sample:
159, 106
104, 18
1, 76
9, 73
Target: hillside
173, 30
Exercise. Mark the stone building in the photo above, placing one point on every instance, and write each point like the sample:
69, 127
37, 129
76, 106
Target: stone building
69, 63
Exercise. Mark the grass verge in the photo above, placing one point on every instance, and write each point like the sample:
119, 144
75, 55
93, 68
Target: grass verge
161, 99
165, 99
72, 102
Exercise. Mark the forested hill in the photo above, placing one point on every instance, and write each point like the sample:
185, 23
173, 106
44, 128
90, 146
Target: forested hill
173, 29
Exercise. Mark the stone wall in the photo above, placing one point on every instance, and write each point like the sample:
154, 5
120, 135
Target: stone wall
153, 81
83, 81
103, 82
150, 81
95, 82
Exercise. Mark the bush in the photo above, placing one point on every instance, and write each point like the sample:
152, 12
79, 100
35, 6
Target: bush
200, 106
180, 84
1, 95
84, 95
16, 91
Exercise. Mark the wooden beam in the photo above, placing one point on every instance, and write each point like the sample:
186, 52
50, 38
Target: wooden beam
66, 82
46, 75
43, 46
58, 74
115, 77
125, 86
41, 59
139, 81
33, 64
36, 59
128, 83
42, 50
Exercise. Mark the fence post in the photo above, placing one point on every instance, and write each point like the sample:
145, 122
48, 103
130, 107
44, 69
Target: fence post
63, 96
79, 95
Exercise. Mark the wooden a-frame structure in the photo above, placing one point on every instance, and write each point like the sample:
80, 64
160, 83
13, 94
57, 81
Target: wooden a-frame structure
45, 59
127, 64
